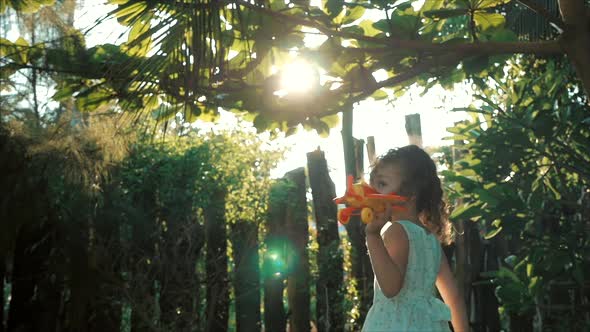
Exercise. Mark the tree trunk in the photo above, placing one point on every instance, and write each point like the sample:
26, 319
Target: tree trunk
217, 311
329, 288
298, 259
246, 278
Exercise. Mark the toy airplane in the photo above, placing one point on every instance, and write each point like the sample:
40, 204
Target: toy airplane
363, 197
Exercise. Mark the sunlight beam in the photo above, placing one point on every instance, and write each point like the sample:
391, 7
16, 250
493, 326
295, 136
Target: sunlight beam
298, 77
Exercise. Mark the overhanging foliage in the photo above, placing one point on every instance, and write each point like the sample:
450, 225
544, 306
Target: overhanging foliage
193, 57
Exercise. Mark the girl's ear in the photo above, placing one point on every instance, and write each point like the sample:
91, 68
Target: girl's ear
423, 217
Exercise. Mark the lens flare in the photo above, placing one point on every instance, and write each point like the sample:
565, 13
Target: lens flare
297, 77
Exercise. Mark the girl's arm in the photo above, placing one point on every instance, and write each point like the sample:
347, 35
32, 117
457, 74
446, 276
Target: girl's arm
389, 257
447, 287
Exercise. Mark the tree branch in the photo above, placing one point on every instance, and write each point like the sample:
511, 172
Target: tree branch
488, 48
466, 49
420, 68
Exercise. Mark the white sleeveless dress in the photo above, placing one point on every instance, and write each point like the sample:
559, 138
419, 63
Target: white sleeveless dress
415, 307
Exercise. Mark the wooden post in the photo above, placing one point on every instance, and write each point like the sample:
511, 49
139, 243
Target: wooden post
361, 265
297, 258
460, 268
246, 275
329, 287
275, 319
217, 313
371, 149
348, 145
359, 160
414, 129
2, 295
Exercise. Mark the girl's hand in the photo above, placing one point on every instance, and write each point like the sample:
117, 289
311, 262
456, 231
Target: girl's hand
379, 220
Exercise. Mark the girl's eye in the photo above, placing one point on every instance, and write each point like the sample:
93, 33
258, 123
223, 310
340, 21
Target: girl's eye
381, 184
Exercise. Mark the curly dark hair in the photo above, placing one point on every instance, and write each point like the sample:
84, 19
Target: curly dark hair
420, 180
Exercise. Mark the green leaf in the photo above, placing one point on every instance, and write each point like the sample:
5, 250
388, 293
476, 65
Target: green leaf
164, 113
24, 6
379, 95
353, 14
139, 40
331, 120
368, 28
503, 35
490, 3
467, 183
261, 123
511, 261
486, 196
492, 233
63, 93
534, 284
196, 112
129, 12
431, 5
578, 274
439, 14
382, 25
549, 185
6, 47
405, 25
21, 49
150, 102
466, 211
333, 7
475, 65
488, 20
92, 99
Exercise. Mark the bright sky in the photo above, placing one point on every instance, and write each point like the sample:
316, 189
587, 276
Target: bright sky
386, 122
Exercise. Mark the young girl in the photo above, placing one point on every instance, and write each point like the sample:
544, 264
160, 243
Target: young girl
406, 255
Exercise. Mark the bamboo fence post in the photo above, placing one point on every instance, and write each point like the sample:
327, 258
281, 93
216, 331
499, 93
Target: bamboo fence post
414, 129
297, 258
329, 287
371, 150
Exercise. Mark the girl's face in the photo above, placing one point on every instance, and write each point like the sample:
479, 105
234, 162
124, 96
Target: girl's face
387, 179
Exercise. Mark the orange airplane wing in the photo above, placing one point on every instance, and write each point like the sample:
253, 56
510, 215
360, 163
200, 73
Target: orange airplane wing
387, 197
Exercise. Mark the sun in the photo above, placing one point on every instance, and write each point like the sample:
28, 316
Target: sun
298, 77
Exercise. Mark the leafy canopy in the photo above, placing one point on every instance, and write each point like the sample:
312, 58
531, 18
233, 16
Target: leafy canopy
194, 57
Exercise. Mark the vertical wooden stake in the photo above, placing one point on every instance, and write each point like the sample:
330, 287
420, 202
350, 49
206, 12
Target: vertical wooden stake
414, 129
371, 149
